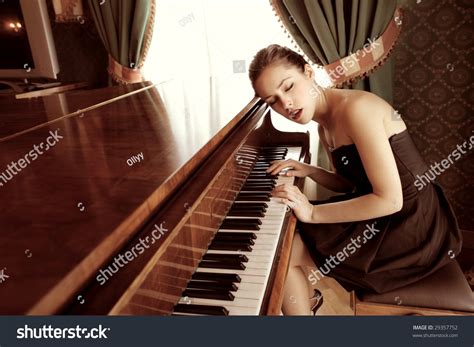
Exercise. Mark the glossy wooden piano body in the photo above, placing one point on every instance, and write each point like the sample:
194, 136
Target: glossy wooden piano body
78, 206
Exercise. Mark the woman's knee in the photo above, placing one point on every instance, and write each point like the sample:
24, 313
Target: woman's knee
299, 253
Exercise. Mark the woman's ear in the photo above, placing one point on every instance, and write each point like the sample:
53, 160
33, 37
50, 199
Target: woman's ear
308, 71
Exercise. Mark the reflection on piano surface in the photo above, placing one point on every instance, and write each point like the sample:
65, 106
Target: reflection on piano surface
223, 244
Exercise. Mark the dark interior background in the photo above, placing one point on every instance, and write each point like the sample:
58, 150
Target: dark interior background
433, 90
81, 54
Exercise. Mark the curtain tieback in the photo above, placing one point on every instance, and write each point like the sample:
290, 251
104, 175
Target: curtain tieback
349, 69
123, 74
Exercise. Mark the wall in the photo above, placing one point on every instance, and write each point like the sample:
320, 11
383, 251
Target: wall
433, 90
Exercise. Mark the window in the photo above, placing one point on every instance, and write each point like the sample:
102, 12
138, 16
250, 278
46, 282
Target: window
201, 50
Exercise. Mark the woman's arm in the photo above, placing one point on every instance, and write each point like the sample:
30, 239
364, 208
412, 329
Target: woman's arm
363, 122
326, 178
329, 179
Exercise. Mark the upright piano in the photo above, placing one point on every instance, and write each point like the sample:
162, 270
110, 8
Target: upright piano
135, 210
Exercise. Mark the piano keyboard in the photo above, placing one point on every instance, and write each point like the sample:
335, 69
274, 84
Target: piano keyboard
233, 274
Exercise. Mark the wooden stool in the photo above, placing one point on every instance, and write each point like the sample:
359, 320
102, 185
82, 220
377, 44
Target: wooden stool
445, 292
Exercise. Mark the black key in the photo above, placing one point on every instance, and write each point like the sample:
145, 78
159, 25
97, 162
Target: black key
252, 198
227, 239
247, 208
271, 149
247, 242
249, 205
256, 189
237, 234
231, 265
263, 162
253, 194
264, 179
245, 213
270, 153
260, 168
260, 174
270, 157
202, 309
259, 184
211, 256
225, 246
253, 204
260, 181
243, 221
233, 226
240, 222
221, 237
278, 152
210, 276
209, 294
211, 285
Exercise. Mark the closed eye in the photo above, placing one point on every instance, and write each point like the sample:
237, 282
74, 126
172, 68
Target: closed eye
289, 88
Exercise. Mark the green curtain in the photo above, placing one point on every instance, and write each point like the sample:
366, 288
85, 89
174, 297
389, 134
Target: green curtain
123, 27
328, 30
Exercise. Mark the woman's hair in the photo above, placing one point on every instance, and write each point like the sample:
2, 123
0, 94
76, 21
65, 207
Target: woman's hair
271, 55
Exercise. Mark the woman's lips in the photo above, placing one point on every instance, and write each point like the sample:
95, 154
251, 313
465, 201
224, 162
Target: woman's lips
295, 116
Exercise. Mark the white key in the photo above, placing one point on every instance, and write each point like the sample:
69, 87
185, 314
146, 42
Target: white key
237, 302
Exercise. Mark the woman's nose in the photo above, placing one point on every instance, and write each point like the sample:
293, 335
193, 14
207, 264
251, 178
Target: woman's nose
288, 104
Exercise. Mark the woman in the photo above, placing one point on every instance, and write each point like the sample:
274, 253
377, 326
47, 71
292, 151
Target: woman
384, 232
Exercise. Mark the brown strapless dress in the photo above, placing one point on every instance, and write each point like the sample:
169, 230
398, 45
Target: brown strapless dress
405, 246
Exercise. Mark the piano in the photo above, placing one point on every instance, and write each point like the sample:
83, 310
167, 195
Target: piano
137, 210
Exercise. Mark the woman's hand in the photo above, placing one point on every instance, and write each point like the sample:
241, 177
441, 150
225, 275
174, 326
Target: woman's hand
296, 200
291, 167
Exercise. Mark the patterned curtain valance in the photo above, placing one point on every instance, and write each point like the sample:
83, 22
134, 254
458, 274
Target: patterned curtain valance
365, 60
326, 36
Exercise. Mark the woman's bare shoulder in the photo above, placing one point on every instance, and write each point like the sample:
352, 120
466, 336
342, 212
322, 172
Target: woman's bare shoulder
362, 108
362, 98
357, 103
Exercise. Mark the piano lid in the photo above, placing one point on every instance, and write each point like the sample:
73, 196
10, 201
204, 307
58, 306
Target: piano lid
19, 115
96, 181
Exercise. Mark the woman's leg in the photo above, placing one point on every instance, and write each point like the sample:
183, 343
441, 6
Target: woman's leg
297, 293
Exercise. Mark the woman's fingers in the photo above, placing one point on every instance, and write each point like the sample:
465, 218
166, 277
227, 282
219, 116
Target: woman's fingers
288, 192
290, 203
276, 167
296, 200
279, 165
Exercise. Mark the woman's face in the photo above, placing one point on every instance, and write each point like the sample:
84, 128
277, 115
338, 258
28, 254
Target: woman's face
288, 91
